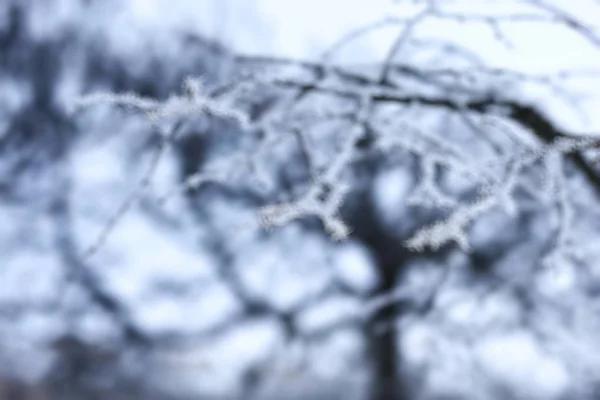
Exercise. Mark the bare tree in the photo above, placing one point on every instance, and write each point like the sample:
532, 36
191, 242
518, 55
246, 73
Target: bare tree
307, 141
340, 125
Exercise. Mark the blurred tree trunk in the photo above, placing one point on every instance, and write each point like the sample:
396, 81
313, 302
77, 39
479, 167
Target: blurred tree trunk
390, 257
383, 335
387, 380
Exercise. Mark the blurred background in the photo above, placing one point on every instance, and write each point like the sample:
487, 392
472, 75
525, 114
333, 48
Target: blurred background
177, 305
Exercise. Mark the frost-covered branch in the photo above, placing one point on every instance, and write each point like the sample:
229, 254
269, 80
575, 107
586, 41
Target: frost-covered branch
193, 101
333, 116
455, 227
